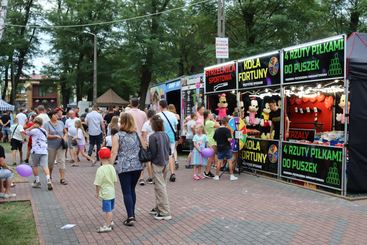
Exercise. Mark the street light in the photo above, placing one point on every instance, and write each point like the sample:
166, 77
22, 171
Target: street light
94, 66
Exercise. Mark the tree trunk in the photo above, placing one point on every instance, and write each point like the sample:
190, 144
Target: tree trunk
79, 83
354, 18
6, 82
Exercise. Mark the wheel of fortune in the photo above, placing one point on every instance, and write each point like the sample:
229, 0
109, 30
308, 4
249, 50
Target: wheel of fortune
237, 124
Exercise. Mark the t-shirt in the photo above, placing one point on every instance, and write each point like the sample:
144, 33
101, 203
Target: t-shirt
210, 130
200, 120
275, 119
109, 141
167, 128
190, 129
221, 136
94, 121
55, 129
70, 126
5, 118
22, 118
108, 117
201, 140
147, 127
45, 118
39, 140
16, 132
105, 179
80, 137
140, 118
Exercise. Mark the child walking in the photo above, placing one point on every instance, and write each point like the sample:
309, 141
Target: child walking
105, 188
80, 139
200, 140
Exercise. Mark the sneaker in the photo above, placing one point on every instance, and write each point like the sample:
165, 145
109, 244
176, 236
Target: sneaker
36, 184
232, 177
6, 196
216, 177
153, 211
150, 181
196, 177
201, 176
162, 217
172, 178
104, 229
141, 182
208, 175
49, 186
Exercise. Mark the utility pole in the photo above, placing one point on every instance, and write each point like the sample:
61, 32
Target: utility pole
221, 23
4, 7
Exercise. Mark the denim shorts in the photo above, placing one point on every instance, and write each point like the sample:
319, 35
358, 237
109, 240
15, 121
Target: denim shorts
5, 174
225, 155
108, 205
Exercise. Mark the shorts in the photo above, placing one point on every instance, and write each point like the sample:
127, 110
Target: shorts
5, 174
70, 146
58, 155
16, 144
40, 160
190, 144
227, 154
108, 205
173, 148
6, 131
81, 147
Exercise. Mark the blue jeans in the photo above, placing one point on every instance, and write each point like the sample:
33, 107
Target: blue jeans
128, 183
95, 140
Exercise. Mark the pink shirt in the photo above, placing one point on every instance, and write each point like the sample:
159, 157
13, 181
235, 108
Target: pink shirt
140, 118
200, 120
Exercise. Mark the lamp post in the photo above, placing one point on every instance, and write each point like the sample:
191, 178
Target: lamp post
94, 66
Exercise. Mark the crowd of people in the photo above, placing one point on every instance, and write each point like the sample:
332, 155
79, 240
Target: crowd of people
53, 138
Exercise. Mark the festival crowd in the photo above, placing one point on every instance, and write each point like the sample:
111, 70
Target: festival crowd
115, 141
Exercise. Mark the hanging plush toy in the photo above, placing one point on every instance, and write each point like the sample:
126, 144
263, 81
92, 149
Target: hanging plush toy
265, 123
340, 117
222, 106
251, 119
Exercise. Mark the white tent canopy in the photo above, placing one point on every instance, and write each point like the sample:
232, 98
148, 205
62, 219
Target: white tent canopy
4, 106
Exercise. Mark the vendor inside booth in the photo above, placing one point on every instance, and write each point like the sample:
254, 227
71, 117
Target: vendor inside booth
259, 89
220, 89
315, 99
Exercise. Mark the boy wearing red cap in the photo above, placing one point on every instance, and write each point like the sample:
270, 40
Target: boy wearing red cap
105, 187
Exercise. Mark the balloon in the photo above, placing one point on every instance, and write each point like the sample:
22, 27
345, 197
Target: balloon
320, 98
24, 170
207, 152
313, 99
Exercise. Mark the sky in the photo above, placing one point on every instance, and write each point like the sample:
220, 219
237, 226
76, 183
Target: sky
42, 58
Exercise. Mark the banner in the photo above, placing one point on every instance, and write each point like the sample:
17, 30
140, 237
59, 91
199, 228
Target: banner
259, 71
317, 164
315, 61
220, 78
190, 99
221, 48
173, 86
156, 94
302, 134
261, 154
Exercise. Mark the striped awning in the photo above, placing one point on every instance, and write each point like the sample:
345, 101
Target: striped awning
4, 106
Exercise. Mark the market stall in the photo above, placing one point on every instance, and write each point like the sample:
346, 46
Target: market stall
259, 88
220, 88
4, 106
315, 99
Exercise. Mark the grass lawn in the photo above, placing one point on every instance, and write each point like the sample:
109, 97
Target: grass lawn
17, 224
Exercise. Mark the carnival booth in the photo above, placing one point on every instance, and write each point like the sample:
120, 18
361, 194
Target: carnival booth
220, 88
315, 105
259, 89
173, 93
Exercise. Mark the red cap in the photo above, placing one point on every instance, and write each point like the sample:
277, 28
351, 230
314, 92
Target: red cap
104, 153
58, 109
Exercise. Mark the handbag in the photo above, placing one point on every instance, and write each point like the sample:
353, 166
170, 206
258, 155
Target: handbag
177, 137
64, 144
144, 153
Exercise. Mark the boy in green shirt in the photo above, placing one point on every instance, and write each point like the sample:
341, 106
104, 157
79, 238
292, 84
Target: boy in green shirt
105, 188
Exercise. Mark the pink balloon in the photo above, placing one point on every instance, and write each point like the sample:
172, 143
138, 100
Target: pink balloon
24, 170
207, 152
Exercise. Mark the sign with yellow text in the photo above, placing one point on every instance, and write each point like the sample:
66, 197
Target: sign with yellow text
259, 71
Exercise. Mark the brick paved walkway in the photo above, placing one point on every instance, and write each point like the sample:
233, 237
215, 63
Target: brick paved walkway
250, 211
